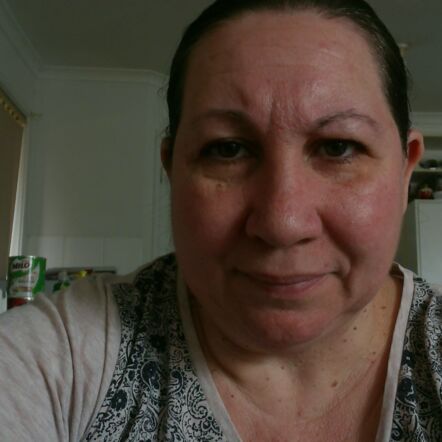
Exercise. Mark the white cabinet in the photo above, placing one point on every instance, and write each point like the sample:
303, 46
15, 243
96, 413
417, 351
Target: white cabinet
420, 247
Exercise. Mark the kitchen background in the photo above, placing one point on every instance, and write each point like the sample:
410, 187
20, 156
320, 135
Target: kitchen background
90, 76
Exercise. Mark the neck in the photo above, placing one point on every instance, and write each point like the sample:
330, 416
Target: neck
318, 372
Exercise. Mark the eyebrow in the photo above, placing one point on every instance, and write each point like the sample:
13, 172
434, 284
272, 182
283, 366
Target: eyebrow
349, 114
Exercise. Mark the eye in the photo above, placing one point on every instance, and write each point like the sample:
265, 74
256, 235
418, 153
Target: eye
226, 150
338, 149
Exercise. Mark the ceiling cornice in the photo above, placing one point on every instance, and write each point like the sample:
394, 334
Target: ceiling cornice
18, 39
27, 53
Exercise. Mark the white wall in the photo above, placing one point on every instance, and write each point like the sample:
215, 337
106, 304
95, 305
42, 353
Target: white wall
91, 180
91, 168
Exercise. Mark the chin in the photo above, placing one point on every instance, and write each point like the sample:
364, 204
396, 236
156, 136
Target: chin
286, 331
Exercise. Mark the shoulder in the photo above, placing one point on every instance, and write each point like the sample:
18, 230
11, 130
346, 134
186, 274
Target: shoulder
147, 301
426, 306
58, 354
418, 407
423, 339
424, 300
424, 326
153, 286
61, 314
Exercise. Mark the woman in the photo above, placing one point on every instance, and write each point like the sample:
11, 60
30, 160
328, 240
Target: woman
289, 155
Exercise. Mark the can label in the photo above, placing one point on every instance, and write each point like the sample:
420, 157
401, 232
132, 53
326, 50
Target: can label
26, 276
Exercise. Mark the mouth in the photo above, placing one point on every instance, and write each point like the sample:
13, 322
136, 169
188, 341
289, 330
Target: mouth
284, 286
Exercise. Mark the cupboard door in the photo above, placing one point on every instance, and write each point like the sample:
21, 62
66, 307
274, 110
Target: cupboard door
430, 239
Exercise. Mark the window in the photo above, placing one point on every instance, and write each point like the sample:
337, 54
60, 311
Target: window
12, 123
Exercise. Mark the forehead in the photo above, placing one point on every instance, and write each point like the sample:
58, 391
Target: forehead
296, 29
286, 59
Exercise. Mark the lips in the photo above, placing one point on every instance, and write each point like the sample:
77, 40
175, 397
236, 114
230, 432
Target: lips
283, 279
285, 285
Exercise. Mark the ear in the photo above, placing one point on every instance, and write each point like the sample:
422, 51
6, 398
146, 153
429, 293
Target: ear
415, 150
166, 155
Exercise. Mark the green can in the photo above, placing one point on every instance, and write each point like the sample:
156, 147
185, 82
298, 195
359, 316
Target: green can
26, 279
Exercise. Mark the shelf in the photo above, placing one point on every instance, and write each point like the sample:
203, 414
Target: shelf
435, 170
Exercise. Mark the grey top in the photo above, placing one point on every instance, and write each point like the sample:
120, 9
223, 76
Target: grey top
110, 359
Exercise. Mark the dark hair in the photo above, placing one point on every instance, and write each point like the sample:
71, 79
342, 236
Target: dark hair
391, 65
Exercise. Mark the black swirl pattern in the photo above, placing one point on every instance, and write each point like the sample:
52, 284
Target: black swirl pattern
154, 394
418, 406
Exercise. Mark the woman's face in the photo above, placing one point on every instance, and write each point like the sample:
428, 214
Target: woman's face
288, 179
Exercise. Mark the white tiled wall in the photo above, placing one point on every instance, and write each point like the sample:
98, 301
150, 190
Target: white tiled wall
51, 247
82, 251
126, 254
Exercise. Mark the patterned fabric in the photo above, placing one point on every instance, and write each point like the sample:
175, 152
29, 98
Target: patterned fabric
155, 394
418, 407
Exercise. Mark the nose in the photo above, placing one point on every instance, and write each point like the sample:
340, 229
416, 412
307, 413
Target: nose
284, 205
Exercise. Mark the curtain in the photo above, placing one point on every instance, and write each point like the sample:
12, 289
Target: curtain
12, 123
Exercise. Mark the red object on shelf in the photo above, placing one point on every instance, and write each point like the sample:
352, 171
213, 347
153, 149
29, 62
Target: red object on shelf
16, 302
426, 193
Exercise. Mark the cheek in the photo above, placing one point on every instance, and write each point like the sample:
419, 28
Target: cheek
206, 217
373, 214
206, 221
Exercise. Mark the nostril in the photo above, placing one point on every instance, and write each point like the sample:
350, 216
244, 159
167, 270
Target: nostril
305, 241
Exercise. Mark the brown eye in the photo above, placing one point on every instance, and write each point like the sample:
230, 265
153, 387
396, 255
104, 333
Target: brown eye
338, 149
226, 150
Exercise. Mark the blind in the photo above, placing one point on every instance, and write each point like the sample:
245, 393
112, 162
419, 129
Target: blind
12, 123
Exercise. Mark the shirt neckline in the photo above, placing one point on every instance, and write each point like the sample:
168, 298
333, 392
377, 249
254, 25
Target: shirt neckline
216, 403
395, 357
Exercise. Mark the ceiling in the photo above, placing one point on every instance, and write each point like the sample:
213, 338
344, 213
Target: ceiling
142, 34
